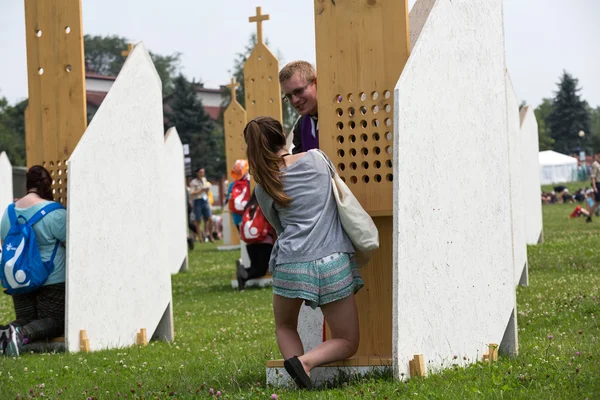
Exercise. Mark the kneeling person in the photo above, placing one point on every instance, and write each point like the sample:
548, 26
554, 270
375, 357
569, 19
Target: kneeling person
40, 314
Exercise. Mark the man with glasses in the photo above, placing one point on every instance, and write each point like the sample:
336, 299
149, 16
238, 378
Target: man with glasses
298, 81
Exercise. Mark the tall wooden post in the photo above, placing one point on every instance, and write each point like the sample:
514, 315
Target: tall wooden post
235, 145
362, 47
263, 92
55, 118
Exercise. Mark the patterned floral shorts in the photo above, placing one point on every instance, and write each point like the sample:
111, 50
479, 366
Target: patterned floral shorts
318, 282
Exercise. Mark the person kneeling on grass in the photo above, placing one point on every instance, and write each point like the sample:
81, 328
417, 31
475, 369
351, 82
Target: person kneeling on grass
259, 237
39, 314
313, 259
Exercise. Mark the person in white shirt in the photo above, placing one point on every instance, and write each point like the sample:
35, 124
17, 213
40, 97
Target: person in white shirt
199, 194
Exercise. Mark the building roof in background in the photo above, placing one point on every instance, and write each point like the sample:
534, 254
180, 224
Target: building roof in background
95, 98
92, 75
199, 87
213, 112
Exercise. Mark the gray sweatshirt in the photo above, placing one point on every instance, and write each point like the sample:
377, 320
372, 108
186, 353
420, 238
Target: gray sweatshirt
310, 228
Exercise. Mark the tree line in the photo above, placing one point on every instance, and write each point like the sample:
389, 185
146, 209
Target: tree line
562, 118
183, 109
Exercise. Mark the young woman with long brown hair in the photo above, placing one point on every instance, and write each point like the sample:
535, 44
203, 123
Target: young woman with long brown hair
312, 260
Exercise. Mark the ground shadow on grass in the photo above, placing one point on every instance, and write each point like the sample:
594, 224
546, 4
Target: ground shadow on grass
344, 379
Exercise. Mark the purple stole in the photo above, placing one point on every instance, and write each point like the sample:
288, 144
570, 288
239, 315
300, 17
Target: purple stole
308, 140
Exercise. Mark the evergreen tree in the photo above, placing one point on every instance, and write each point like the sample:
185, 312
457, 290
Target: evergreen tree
542, 112
569, 116
595, 129
12, 131
196, 129
103, 56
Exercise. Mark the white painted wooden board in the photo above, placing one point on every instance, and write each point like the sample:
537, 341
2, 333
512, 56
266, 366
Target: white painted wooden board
454, 290
531, 176
226, 226
516, 185
118, 280
174, 204
6, 182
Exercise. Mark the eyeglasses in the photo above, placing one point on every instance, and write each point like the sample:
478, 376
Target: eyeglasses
296, 92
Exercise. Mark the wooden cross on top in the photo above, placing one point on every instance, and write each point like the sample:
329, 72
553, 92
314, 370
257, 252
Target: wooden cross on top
259, 18
125, 53
232, 86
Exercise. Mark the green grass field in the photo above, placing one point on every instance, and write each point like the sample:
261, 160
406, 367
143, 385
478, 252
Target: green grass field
224, 338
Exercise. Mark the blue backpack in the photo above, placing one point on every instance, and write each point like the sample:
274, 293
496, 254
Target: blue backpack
22, 269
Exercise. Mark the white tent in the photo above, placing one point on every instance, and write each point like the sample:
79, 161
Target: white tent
556, 167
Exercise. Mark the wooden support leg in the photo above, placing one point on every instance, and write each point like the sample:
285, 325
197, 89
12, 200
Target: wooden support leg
492, 354
84, 342
141, 337
417, 366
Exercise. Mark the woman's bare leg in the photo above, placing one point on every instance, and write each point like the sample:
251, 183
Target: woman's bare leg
286, 312
342, 319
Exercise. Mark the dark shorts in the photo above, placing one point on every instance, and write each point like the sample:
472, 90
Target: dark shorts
597, 197
202, 210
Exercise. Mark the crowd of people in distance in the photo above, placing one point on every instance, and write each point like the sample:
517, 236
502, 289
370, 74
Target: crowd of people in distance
561, 195
589, 196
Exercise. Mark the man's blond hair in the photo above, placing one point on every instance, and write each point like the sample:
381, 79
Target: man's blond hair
307, 71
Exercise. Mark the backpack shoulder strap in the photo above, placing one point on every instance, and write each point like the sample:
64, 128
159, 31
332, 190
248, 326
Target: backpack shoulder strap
42, 213
12, 215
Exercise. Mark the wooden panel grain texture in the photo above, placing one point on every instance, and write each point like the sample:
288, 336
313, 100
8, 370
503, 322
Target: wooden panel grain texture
235, 122
261, 84
56, 116
33, 138
261, 71
362, 46
235, 146
33, 113
374, 300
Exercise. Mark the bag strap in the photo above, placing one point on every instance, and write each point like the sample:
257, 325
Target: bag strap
12, 215
54, 252
42, 213
328, 162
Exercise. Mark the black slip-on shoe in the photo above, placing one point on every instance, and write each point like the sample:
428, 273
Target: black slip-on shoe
293, 366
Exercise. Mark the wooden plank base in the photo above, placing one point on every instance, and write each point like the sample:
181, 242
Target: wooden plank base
361, 361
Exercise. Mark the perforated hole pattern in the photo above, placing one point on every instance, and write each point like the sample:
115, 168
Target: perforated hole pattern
364, 131
58, 173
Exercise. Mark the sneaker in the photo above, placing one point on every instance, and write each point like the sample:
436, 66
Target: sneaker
241, 270
589, 219
4, 335
14, 345
241, 283
242, 274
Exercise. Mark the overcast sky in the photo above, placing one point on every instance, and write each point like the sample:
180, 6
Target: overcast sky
543, 37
